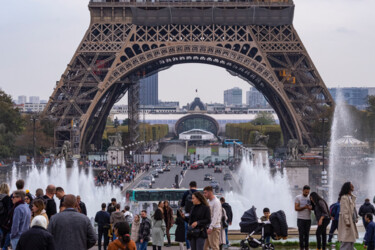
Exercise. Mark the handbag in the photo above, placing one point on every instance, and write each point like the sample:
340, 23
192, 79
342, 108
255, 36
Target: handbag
193, 232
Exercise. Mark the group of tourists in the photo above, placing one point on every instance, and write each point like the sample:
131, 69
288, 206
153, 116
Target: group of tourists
343, 215
117, 175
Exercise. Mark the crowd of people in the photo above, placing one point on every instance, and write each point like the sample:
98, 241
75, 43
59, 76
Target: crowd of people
117, 175
342, 215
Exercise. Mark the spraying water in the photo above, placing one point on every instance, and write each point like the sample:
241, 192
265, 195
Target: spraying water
262, 190
74, 181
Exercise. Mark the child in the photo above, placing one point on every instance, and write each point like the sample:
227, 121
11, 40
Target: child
180, 230
370, 230
266, 217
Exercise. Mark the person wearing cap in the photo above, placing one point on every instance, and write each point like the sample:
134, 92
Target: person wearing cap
37, 237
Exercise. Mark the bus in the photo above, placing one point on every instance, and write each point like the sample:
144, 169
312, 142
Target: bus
228, 142
148, 199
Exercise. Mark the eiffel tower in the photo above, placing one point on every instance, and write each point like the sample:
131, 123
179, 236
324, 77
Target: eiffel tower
127, 40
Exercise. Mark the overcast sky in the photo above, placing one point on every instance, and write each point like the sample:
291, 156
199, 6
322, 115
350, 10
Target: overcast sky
39, 38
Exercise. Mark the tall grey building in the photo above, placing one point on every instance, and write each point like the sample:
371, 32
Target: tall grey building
354, 96
233, 96
255, 99
34, 99
148, 90
22, 99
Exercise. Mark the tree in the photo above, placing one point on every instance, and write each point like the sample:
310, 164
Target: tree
11, 124
264, 118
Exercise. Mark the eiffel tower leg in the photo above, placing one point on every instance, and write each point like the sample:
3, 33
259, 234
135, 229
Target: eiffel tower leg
133, 113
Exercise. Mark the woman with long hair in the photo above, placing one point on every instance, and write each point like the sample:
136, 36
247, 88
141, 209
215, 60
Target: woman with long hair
200, 218
168, 219
180, 229
38, 209
347, 230
321, 211
123, 241
158, 229
135, 230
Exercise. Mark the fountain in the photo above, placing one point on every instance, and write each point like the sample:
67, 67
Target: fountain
262, 190
74, 181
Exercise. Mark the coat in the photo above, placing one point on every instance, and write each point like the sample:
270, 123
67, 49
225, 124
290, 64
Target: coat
168, 217
180, 230
157, 232
72, 230
36, 238
223, 239
117, 245
135, 231
43, 213
347, 212
117, 216
144, 229
202, 215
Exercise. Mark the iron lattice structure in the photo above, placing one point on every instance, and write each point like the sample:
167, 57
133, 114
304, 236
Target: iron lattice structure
118, 47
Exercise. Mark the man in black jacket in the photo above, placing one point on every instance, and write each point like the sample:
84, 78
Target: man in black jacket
144, 230
366, 208
37, 237
82, 205
228, 211
50, 202
103, 219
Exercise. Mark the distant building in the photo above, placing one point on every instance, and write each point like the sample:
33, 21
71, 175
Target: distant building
22, 99
255, 99
354, 96
148, 90
34, 99
233, 96
31, 107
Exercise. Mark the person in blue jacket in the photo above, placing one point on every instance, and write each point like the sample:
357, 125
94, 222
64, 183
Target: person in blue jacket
370, 231
334, 213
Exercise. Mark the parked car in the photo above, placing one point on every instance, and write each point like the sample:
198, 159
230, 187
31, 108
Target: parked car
208, 177
194, 166
160, 170
218, 170
227, 177
155, 174
149, 178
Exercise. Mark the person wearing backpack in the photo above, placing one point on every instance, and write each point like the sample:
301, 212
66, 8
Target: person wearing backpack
188, 204
334, 211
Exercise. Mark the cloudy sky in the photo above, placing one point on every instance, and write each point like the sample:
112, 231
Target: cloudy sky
39, 38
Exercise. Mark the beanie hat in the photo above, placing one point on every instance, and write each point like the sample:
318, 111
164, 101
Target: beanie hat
39, 220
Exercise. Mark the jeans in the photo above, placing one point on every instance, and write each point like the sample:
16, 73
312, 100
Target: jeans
138, 245
14, 242
334, 226
103, 232
226, 236
186, 239
303, 231
7, 241
197, 243
144, 245
321, 234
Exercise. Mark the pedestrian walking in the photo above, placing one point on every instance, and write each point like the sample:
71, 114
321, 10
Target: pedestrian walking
102, 217
369, 239
187, 204
116, 216
144, 230
198, 221
366, 208
37, 237
21, 217
229, 213
50, 201
347, 231
214, 229
168, 219
128, 216
38, 209
70, 229
135, 230
112, 206
123, 240
180, 229
5, 207
302, 205
158, 230
321, 211
334, 213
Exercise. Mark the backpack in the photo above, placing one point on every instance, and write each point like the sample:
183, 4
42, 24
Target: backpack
332, 208
189, 202
3, 208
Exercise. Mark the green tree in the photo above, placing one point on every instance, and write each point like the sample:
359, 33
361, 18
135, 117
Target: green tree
11, 124
264, 118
